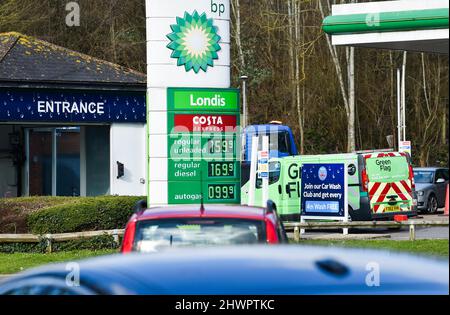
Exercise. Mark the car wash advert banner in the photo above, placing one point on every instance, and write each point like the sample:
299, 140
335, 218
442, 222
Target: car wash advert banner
323, 190
72, 106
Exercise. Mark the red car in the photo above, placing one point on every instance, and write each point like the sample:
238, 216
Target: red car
151, 229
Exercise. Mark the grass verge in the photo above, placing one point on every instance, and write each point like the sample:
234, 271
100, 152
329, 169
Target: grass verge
425, 247
17, 262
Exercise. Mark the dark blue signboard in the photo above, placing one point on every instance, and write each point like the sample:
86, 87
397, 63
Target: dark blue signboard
323, 190
72, 106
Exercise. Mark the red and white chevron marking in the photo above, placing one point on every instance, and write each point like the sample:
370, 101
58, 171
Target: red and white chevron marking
378, 192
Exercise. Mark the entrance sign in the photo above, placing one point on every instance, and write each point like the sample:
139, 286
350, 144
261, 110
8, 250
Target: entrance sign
192, 114
72, 106
324, 191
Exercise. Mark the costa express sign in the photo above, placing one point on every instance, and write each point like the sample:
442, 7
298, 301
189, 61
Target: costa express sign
205, 123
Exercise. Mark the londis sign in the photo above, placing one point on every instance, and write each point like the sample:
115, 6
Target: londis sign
193, 100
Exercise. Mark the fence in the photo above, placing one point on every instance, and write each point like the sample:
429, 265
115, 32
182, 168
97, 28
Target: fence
50, 238
290, 226
296, 226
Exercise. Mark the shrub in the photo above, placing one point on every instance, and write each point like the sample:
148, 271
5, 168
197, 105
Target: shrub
14, 211
83, 214
93, 243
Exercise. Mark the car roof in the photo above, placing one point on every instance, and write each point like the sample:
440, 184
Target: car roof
256, 270
210, 211
432, 168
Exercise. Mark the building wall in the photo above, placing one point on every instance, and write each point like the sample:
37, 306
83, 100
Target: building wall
129, 148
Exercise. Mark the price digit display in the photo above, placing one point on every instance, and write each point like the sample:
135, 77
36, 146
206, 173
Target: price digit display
221, 146
221, 169
222, 192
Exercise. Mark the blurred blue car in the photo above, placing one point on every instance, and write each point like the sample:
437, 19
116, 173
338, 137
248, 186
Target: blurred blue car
265, 270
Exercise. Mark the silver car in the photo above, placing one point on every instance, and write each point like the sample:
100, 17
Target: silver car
431, 187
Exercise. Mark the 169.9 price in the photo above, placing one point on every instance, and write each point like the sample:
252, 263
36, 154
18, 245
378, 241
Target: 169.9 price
221, 169
222, 192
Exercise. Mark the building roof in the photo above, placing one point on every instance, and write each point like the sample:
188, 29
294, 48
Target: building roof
28, 59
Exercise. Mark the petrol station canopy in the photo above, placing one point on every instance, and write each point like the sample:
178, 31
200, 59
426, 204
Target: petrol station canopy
412, 25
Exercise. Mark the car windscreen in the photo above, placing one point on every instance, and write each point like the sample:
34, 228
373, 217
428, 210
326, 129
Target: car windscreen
154, 234
387, 169
423, 177
278, 141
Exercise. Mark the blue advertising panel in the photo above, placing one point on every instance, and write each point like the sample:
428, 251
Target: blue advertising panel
41, 105
323, 190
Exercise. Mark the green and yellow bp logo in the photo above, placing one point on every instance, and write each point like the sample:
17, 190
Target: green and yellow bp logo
194, 41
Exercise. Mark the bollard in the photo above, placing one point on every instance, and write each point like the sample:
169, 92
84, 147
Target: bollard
116, 236
296, 234
412, 232
48, 242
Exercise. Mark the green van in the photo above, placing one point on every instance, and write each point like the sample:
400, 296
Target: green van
380, 184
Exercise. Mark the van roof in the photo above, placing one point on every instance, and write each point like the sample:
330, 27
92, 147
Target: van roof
264, 128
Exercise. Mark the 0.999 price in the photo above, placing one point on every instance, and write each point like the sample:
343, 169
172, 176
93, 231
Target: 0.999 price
221, 192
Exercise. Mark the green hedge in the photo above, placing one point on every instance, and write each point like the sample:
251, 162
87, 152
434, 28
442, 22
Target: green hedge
14, 211
83, 214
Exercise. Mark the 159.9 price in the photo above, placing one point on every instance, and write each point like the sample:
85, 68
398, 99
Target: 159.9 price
222, 192
221, 146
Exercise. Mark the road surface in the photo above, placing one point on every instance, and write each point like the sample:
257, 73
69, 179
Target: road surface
394, 234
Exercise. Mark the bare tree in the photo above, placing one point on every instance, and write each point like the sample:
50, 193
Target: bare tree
347, 90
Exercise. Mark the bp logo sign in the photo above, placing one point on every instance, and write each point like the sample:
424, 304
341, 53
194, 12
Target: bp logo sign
195, 42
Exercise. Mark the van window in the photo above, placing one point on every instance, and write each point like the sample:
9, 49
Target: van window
423, 177
387, 169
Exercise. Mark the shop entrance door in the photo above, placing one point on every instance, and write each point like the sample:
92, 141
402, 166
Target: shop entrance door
53, 161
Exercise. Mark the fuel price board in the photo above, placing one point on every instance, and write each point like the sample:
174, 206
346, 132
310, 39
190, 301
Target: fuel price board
203, 146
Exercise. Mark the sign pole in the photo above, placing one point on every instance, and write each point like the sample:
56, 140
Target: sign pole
399, 106
253, 165
345, 230
265, 180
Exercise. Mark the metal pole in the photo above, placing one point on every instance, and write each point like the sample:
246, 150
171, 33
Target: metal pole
399, 106
253, 165
244, 101
345, 230
404, 95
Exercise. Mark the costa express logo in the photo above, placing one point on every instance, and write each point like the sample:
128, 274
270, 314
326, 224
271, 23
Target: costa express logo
194, 41
205, 123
